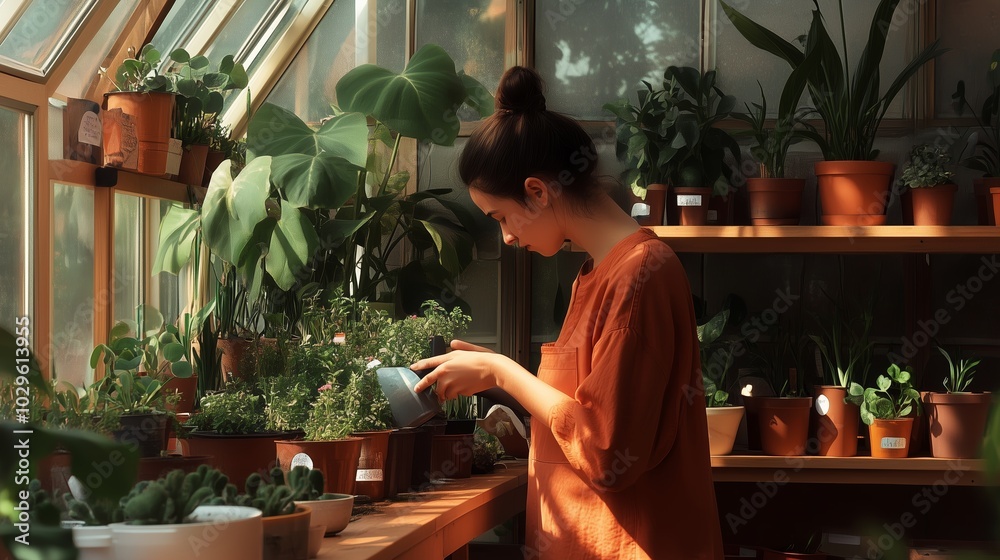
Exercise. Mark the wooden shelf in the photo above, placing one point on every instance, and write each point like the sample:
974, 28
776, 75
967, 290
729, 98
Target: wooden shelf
81, 173
434, 524
831, 239
848, 470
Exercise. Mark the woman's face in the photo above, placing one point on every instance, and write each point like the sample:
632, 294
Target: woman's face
532, 225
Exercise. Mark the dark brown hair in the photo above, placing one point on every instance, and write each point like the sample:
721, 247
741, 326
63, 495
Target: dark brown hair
523, 139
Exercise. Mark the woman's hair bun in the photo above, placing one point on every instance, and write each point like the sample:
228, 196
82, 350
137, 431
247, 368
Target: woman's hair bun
520, 91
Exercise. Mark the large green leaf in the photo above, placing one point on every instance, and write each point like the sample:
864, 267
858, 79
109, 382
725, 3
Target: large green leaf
867, 76
712, 330
178, 232
447, 252
479, 98
293, 243
320, 181
233, 208
419, 103
274, 131
336, 232
762, 38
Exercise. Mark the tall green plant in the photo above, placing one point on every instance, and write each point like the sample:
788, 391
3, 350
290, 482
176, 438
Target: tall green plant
984, 143
771, 145
851, 105
845, 340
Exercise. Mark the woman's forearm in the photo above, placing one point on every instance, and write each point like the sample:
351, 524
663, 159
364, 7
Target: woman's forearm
535, 396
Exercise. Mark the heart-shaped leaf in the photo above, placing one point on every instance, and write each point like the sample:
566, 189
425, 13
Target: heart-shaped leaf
321, 181
233, 208
478, 97
293, 243
420, 103
274, 131
178, 231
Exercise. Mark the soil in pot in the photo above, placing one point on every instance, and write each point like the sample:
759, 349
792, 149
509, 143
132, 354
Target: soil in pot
890, 439
836, 422
451, 456
775, 202
193, 164
854, 191
286, 537
399, 462
688, 206
957, 423
784, 424
985, 206
146, 431
371, 478
656, 198
932, 206
338, 460
723, 423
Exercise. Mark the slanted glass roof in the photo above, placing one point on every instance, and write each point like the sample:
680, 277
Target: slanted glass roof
34, 33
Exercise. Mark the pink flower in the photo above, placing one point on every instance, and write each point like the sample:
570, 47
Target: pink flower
325, 387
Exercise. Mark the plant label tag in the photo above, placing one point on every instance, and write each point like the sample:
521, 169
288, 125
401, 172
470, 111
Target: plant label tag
301, 459
90, 129
369, 475
822, 405
713, 215
893, 443
689, 200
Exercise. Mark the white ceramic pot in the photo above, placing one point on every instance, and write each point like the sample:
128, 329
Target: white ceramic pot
93, 543
723, 423
334, 513
217, 532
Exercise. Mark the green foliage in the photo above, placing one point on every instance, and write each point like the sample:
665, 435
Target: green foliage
926, 168
486, 450
271, 498
172, 499
138, 73
771, 145
461, 407
237, 410
960, 373
306, 484
716, 355
845, 339
985, 141
780, 361
852, 106
326, 420
289, 400
671, 135
201, 93
892, 398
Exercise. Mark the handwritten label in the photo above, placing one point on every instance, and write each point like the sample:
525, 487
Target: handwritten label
303, 460
90, 129
823, 405
893, 443
369, 475
689, 200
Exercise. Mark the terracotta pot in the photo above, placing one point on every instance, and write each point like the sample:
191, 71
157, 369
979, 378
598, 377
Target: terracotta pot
693, 210
186, 388
985, 206
723, 423
858, 189
778, 555
890, 439
286, 537
54, 471
656, 198
784, 424
751, 407
213, 160
193, 164
420, 472
399, 462
775, 202
146, 431
238, 456
152, 468
451, 456
338, 460
957, 423
371, 478
932, 206
720, 210
233, 350
836, 422
153, 115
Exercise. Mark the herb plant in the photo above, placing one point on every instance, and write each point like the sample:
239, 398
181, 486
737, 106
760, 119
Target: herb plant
960, 373
926, 168
892, 398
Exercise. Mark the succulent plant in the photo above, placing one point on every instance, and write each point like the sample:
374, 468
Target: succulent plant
173, 498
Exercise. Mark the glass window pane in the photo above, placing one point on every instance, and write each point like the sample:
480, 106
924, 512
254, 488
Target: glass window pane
180, 24
15, 219
42, 31
969, 28
168, 293
472, 32
253, 30
307, 88
479, 285
591, 53
741, 65
73, 273
85, 68
128, 265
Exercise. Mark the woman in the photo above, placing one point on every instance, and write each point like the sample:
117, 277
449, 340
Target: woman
619, 464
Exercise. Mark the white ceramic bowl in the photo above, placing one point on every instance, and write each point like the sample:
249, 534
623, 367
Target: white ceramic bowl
335, 513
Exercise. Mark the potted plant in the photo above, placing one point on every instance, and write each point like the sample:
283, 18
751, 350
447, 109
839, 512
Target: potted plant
780, 408
486, 451
332, 511
957, 417
285, 523
985, 141
886, 409
845, 345
144, 95
853, 188
171, 518
930, 195
716, 361
774, 199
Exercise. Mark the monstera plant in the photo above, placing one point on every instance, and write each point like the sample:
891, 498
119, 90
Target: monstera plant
313, 205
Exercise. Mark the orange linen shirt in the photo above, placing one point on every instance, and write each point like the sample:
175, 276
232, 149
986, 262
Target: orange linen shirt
624, 471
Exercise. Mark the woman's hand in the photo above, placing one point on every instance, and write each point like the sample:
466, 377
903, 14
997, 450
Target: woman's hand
466, 370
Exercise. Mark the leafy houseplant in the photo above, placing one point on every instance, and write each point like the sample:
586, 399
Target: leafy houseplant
930, 195
486, 451
851, 105
957, 418
984, 144
886, 409
716, 361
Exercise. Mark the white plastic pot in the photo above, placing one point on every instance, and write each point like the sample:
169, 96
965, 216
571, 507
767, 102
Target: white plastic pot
93, 543
218, 532
334, 513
